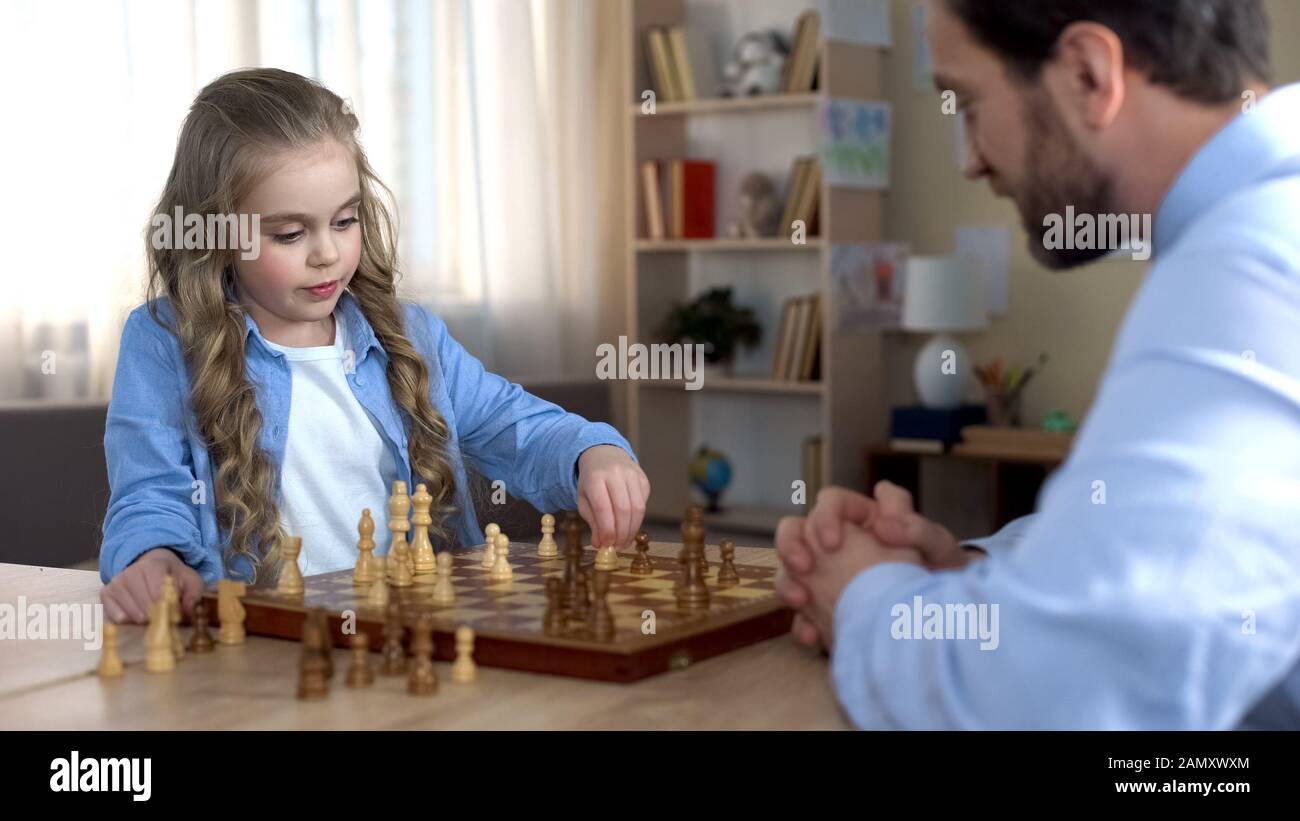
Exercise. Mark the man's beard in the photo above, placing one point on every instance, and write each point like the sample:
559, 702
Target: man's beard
1058, 175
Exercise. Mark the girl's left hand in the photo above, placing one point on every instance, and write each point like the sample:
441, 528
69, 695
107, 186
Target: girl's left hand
612, 491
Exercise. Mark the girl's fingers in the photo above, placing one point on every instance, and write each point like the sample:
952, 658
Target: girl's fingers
790, 545
834, 506
892, 499
601, 511
622, 503
792, 592
638, 496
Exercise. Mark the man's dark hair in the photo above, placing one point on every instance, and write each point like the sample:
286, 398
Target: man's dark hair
1204, 50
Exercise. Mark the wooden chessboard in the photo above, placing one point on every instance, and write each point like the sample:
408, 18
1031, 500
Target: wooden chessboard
507, 616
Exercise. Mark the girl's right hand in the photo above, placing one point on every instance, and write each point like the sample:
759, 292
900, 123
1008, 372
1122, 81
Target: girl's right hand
127, 597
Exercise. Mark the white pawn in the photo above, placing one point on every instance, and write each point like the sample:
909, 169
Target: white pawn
443, 591
490, 545
378, 595
463, 669
502, 571
547, 548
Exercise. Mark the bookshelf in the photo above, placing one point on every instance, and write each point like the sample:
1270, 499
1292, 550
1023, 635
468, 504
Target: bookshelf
760, 423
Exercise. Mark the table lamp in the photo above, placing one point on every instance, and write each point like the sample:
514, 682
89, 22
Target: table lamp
943, 295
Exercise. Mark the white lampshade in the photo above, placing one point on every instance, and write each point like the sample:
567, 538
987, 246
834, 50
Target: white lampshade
943, 294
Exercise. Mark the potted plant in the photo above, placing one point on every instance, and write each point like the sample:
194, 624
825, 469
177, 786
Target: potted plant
712, 321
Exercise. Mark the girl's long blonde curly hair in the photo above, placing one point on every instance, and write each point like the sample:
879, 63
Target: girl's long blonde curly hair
236, 129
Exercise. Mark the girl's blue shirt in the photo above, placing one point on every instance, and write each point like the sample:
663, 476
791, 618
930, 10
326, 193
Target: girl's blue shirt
161, 477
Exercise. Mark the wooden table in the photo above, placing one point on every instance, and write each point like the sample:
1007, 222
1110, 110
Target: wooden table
51, 684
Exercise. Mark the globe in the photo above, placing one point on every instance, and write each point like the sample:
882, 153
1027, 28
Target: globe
710, 471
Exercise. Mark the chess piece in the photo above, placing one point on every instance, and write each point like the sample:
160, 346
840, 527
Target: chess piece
399, 554
378, 595
313, 676
423, 680
547, 548
360, 673
490, 534
695, 517
692, 593
641, 565
367, 569
230, 611
553, 620
607, 558
159, 655
569, 594
727, 576
327, 642
173, 599
601, 620
394, 657
464, 670
423, 560
290, 583
110, 663
580, 603
444, 592
501, 569
201, 641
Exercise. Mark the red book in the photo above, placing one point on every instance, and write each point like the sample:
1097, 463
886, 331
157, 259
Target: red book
698, 204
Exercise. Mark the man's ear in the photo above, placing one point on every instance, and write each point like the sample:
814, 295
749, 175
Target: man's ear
1088, 73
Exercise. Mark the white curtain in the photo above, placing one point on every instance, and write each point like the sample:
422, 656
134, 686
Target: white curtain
477, 113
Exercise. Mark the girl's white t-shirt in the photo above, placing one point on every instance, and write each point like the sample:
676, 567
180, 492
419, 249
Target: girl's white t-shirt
335, 461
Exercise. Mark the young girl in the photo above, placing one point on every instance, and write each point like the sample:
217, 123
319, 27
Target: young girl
279, 395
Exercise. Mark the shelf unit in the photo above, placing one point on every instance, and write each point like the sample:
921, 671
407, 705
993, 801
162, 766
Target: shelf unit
850, 399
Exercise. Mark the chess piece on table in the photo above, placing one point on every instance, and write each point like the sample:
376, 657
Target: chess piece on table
607, 558
464, 670
230, 611
692, 593
110, 663
367, 569
423, 680
313, 674
490, 534
159, 655
290, 583
695, 517
201, 640
553, 622
727, 576
547, 548
173, 599
394, 656
501, 569
641, 565
580, 602
444, 592
572, 562
423, 561
327, 640
601, 619
360, 673
378, 595
399, 554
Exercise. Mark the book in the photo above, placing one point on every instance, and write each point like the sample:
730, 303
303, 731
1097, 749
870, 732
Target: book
794, 193
676, 195
906, 445
801, 340
783, 339
812, 466
652, 199
699, 206
812, 346
693, 60
801, 65
810, 196
661, 66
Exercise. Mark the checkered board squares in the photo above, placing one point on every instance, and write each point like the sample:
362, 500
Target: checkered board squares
507, 617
